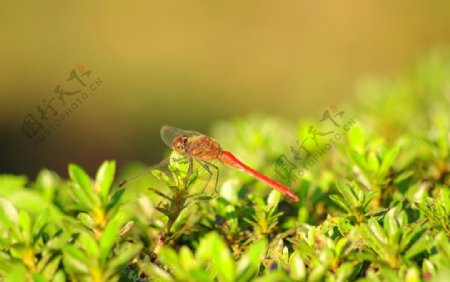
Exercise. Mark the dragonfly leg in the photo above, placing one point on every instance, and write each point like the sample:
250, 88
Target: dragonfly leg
217, 178
206, 166
191, 166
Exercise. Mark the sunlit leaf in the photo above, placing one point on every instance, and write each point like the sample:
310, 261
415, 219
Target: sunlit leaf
104, 178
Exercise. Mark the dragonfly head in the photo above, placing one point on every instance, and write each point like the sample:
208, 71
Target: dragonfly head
179, 144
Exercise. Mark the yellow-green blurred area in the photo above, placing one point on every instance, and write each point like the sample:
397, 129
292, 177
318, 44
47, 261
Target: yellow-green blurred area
191, 64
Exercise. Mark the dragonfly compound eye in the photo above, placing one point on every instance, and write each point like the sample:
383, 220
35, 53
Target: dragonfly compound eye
180, 143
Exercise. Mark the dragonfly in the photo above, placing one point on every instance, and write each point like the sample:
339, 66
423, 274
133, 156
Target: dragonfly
195, 146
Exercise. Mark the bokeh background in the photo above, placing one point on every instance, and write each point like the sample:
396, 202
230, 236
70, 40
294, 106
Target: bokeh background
190, 64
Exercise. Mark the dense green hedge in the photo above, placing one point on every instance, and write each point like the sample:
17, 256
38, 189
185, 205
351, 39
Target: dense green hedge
374, 201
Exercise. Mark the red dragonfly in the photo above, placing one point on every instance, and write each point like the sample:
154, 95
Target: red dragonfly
204, 149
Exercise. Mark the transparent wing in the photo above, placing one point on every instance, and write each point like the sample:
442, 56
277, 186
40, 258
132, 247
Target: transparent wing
168, 133
174, 174
145, 175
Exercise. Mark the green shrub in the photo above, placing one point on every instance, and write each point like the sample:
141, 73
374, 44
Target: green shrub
375, 206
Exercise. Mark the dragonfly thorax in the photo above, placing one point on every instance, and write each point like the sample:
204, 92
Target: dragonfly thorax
200, 147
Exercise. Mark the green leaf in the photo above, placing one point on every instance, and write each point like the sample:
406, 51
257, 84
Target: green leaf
89, 245
181, 220
347, 192
232, 218
40, 223
412, 275
388, 160
126, 254
25, 226
317, 273
18, 272
85, 192
421, 245
59, 240
344, 271
223, 262
104, 178
368, 197
59, 276
179, 164
356, 139
86, 220
391, 226
273, 199
9, 216
341, 245
297, 267
38, 278
186, 256
163, 177
410, 237
213, 248
51, 268
33, 202
248, 265
377, 231
389, 274
75, 260
47, 181
11, 183
109, 237
373, 241
445, 199
372, 162
115, 201
170, 259
200, 275
156, 273
338, 201
359, 160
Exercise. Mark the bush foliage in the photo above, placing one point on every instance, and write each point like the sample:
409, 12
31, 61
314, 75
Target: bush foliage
374, 203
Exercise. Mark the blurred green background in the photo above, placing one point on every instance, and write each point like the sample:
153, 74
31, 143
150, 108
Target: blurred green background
190, 64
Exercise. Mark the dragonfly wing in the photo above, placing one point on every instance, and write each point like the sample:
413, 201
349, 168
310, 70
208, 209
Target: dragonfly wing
169, 133
145, 175
171, 172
